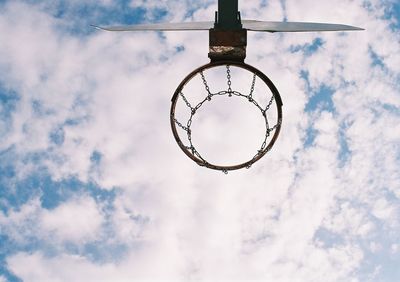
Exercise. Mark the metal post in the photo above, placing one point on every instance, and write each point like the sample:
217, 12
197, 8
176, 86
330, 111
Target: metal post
228, 15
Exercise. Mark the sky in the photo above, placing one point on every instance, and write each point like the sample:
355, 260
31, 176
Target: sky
93, 186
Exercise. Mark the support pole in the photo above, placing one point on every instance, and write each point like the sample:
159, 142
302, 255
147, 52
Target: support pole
228, 17
228, 39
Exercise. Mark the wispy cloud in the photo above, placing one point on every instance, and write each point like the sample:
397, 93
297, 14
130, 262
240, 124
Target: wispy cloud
93, 186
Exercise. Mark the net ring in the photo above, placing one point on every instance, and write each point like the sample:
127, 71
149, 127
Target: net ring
193, 154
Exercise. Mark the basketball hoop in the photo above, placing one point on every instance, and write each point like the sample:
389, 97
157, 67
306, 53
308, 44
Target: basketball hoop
272, 127
227, 47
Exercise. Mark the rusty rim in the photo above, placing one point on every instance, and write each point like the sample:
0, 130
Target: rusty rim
264, 78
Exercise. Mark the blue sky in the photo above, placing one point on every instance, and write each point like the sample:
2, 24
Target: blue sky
93, 186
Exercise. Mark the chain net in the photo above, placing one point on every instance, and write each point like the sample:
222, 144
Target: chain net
194, 108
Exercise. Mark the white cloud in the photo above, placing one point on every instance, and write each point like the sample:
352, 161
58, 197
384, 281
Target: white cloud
394, 248
350, 221
177, 220
36, 267
384, 210
375, 247
21, 224
76, 220
180, 8
128, 221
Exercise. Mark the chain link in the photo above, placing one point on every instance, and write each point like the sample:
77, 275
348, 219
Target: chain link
253, 83
180, 125
269, 103
228, 77
275, 126
205, 83
187, 102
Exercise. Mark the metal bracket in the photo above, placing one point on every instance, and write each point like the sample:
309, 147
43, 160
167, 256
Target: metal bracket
227, 45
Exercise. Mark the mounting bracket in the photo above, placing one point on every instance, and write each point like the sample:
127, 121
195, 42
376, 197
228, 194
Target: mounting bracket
227, 45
